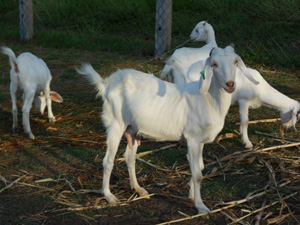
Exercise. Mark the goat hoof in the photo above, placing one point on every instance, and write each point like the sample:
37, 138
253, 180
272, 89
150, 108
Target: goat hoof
112, 199
31, 136
15, 128
203, 209
142, 192
51, 120
249, 145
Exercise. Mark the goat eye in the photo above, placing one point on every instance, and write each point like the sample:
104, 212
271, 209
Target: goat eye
214, 64
236, 61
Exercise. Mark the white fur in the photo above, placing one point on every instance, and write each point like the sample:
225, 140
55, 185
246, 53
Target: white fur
33, 77
249, 95
184, 57
140, 104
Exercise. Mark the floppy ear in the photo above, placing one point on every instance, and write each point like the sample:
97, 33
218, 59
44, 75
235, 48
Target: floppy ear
205, 78
55, 97
243, 68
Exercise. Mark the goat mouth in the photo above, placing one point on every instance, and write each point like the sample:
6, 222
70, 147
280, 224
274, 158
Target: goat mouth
230, 90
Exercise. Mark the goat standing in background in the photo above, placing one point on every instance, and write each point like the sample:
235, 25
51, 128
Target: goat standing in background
138, 104
184, 57
33, 77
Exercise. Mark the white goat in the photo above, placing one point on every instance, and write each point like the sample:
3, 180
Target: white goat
33, 77
186, 56
138, 104
248, 95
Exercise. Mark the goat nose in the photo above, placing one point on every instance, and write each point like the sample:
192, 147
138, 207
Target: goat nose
230, 84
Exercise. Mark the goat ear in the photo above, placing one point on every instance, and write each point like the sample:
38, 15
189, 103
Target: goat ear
205, 78
241, 65
56, 97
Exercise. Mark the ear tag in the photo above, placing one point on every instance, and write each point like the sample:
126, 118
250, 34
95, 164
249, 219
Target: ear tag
202, 73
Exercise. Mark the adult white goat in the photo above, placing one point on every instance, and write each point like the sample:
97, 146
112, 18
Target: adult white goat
186, 56
33, 77
248, 95
138, 104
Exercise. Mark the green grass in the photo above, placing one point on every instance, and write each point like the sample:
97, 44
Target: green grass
265, 33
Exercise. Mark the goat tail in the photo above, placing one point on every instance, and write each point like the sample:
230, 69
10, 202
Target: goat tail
12, 58
93, 77
165, 72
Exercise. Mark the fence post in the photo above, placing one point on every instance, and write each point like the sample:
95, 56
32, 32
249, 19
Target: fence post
26, 19
163, 27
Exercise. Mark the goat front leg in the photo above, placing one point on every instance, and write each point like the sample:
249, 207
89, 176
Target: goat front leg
25, 114
114, 135
244, 110
194, 157
130, 157
201, 163
49, 105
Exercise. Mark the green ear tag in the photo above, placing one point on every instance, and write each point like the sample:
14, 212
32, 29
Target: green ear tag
202, 73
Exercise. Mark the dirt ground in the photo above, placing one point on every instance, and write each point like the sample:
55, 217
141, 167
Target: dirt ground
56, 178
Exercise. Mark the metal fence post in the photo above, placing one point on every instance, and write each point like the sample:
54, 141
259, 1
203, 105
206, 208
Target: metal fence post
26, 19
163, 27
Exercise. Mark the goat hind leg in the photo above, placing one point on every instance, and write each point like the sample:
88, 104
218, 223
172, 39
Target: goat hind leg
114, 135
13, 94
25, 114
130, 157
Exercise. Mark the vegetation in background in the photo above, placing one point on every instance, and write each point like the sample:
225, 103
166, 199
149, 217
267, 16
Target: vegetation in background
264, 32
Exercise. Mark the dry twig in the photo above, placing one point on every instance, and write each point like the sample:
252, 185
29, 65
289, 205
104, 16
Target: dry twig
12, 183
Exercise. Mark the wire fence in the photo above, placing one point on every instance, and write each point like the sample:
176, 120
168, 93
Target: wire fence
163, 27
149, 27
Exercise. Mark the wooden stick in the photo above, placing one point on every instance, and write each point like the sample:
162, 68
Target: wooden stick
263, 208
262, 121
220, 209
74, 139
259, 215
152, 165
149, 152
251, 151
143, 197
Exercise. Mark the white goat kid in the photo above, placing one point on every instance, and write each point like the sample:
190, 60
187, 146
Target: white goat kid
186, 56
248, 95
138, 104
33, 77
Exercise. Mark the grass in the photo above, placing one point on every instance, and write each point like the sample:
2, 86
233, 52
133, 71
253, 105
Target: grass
265, 33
